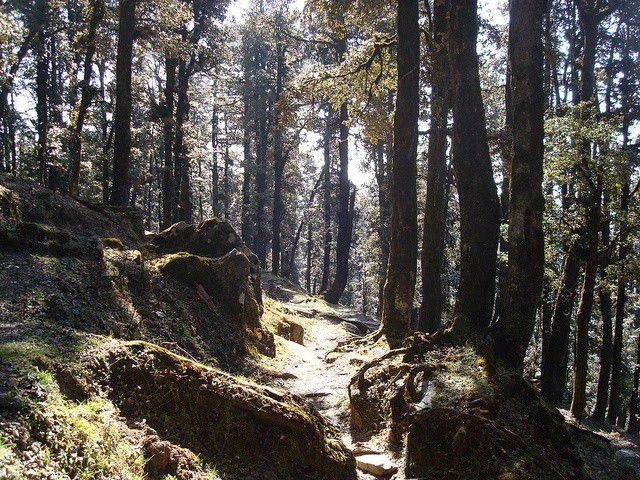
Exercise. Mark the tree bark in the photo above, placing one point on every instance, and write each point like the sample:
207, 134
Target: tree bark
227, 165
86, 94
122, 115
181, 161
247, 204
627, 90
525, 270
278, 168
604, 296
326, 258
633, 426
106, 133
401, 274
309, 258
435, 211
260, 240
42, 88
477, 193
581, 360
615, 398
553, 379
383, 176
215, 191
343, 243
168, 180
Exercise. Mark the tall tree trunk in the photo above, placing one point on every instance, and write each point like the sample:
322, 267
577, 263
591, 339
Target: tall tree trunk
507, 157
383, 177
345, 226
615, 398
122, 115
215, 191
227, 164
477, 193
604, 296
589, 19
247, 205
42, 90
343, 242
180, 158
525, 270
433, 240
278, 168
106, 133
328, 237
633, 426
553, 379
168, 180
97, 13
260, 240
581, 360
401, 275
309, 258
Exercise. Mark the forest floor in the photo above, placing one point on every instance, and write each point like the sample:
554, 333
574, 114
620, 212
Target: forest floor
108, 366
319, 366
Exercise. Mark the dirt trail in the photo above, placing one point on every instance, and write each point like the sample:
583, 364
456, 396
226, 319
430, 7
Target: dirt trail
314, 370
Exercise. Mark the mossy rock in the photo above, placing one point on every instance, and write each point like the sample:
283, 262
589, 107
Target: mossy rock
210, 238
216, 414
226, 280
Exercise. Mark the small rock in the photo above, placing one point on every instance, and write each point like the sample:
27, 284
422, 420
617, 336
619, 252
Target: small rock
626, 454
376, 464
317, 394
361, 448
331, 357
357, 361
160, 314
351, 328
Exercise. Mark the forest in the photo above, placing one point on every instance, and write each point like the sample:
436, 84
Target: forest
392, 233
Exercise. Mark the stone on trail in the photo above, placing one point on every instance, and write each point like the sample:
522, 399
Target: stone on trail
376, 464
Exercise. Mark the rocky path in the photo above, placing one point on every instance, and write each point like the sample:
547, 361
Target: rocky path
316, 372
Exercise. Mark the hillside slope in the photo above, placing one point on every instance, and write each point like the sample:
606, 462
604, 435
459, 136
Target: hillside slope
173, 357
122, 358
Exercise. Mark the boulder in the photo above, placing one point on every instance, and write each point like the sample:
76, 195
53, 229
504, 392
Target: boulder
163, 458
226, 280
212, 238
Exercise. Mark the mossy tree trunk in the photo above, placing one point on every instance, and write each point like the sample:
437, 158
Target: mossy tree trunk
525, 268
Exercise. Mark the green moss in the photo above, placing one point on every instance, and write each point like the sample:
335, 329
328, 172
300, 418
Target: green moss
462, 376
24, 354
91, 429
82, 440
